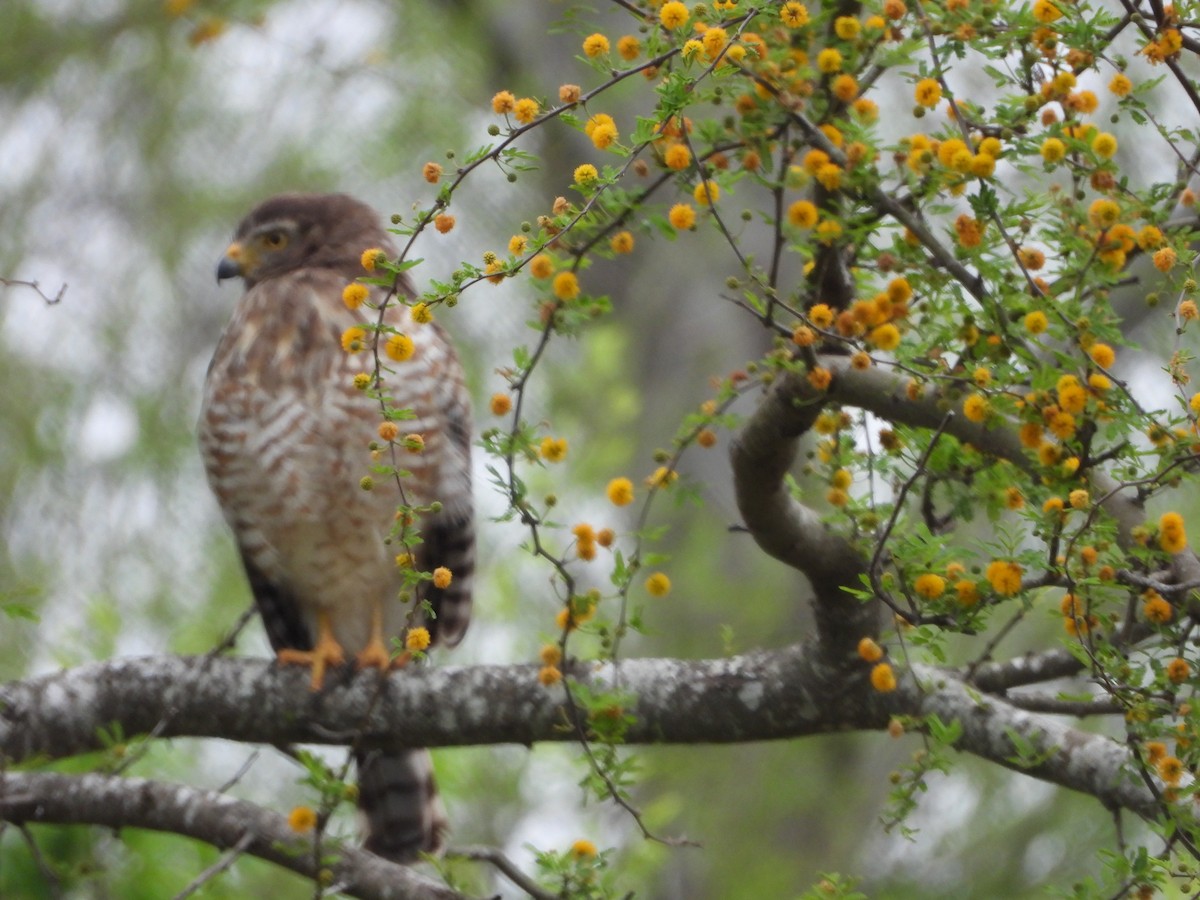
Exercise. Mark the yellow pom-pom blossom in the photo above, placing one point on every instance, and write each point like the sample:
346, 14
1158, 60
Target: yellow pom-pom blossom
302, 819
678, 157
883, 679
354, 295
682, 216
421, 313
417, 639
586, 175
846, 27
629, 47
829, 61
354, 339
885, 336
673, 14
621, 242
500, 404
929, 585
706, 192
820, 315
793, 15
526, 110
1104, 145
432, 172
620, 491
553, 449
595, 45
1053, 150
372, 257
503, 102
548, 676
1165, 259
1120, 85
802, 214
1103, 213
1172, 536
714, 41
399, 347
1004, 576
443, 223
442, 577
541, 266
1102, 355
658, 585
1046, 12
976, 407
1036, 322
927, 93
1156, 609
584, 849
566, 286
869, 651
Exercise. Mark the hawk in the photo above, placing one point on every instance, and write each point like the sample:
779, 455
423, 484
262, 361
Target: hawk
286, 436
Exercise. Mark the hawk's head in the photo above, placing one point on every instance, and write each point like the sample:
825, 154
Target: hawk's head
293, 231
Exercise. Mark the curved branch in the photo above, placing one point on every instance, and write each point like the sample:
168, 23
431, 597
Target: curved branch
216, 819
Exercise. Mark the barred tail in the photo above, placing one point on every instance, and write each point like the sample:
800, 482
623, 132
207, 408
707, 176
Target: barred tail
450, 542
399, 801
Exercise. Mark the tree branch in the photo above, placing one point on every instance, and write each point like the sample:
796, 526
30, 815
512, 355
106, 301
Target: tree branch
757, 696
216, 819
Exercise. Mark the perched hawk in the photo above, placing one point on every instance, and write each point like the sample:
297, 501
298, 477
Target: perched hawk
285, 435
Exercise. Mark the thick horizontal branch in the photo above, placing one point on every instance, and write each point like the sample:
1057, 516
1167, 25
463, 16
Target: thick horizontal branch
223, 822
757, 696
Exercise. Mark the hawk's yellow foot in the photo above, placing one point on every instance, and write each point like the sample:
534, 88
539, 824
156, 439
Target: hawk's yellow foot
375, 654
327, 652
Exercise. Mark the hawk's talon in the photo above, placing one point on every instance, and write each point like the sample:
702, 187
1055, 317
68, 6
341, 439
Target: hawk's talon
327, 652
374, 656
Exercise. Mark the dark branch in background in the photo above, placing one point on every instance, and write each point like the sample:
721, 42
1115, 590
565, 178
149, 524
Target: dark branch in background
218, 820
758, 696
34, 286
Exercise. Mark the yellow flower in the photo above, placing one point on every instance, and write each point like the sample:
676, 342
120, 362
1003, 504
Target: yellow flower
820, 315
526, 110
566, 286
371, 257
1120, 85
1079, 498
930, 586
1053, 150
966, 592
550, 654
1046, 12
1178, 670
829, 61
1170, 769
388, 431
883, 679
585, 849
885, 336
1172, 536
354, 339
432, 172
586, 175
354, 294
421, 313
662, 477
658, 585
541, 266
1102, 355
595, 45
682, 216
629, 47
1104, 145
678, 157
820, 378
553, 449
793, 15
621, 242
1103, 213
569, 93
1004, 576
976, 407
802, 214
1156, 609
844, 87
417, 638
714, 41
503, 102
706, 192
302, 819
673, 14
846, 27
603, 136
869, 651
443, 223
1164, 259
399, 347
928, 93
362, 381
1036, 322
549, 676
620, 491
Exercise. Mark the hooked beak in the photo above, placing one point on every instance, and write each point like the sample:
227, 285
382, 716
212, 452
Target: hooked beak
231, 263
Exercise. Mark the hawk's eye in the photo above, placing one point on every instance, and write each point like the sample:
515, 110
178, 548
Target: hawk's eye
274, 240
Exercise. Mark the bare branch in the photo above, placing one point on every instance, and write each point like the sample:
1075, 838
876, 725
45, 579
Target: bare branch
221, 821
34, 286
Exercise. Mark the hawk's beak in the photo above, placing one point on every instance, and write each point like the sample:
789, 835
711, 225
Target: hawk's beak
231, 263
